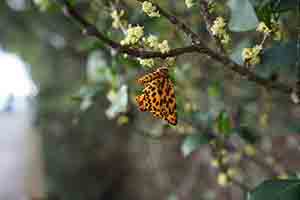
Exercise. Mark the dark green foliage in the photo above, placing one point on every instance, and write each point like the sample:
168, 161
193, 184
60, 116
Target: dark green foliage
277, 190
224, 124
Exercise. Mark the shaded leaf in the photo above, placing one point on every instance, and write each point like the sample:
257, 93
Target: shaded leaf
247, 134
243, 16
224, 124
97, 68
202, 116
294, 127
205, 118
282, 56
172, 196
214, 90
192, 143
277, 190
287, 4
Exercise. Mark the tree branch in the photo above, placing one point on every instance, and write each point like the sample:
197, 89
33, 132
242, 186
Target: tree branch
91, 30
198, 46
224, 60
175, 21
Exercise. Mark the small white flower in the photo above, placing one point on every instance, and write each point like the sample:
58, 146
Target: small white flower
147, 62
164, 47
150, 9
152, 41
189, 3
262, 28
223, 179
116, 16
252, 55
133, 35
218, 26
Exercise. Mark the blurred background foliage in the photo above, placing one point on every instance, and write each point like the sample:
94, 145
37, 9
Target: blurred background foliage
97, 145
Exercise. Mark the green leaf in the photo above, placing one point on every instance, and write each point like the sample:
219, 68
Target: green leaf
277, 190
172, 196
89, 44
192, 143
214, 90
294, 127
223, 123
243, 16
247, 134
288, 4
205, 118
282, 56
294, 175
202, 116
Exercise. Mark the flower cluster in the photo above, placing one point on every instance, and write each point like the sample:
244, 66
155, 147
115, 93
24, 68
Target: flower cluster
283, 176
116, 16
250, 150
273, 29
189, 3
153, 43
170, 62
215, 163
263, 28
232, 172
133, 35
147, 62
218, 29
164, 46
252, 55
223, 179
150, 9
